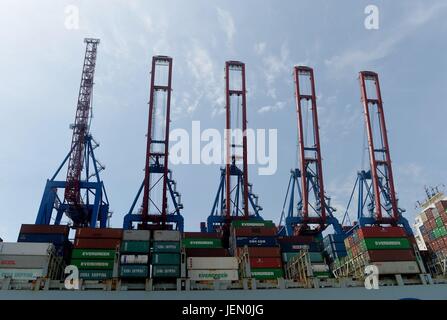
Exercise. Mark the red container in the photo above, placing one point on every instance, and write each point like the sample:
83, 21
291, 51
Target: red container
201, 252
296, 239
429, 214
381, 232
201, 235
261, 252
97, 243
441, 206
265, 263
255, 231
390, 255
44, 229
93, 233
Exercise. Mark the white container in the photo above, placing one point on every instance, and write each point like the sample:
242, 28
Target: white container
136, 235
320, 267
397, 267
424, 217
22, 274
24, 262
435, 212
206, 263
26, 248
166, 235
134, 259
207, 275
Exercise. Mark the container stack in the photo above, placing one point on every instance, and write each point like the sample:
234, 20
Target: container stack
434, 229
55, 234
334, 246
203, 244
389, 248
260, 237
29, 261
292, 246
166, 254
135, 254
95, 252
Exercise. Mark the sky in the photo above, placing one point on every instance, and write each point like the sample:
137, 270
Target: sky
41, 66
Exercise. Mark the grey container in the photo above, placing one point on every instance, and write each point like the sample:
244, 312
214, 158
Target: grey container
26, 248
24, 262
134, 259
136, 235
167, 235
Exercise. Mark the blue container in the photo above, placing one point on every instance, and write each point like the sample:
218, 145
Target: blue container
56, 239
337, 254
334, 238
422, 229
256, 241
291, 247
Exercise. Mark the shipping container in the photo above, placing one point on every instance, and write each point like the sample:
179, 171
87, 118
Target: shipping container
265, 274
320, 267
93, 264
93, 254
166, 246
24, 262
45, 229
135, 246
208, 275
202, 243
38, 249
165, 258
256, 241
297, 239
439, 222
199, 252
99, 233
160, 271
132, 271
134, 259
202, 235
385, 243
380, 232
245, 223
167, 235
266, 263
96, 243
42, 238
261, 251
95, 274
226, 263
290, 247
397, 267
255, 231
334, 238
136, 235
22, 274
322, 275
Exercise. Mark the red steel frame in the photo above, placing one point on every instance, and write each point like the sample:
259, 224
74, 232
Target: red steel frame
230, 157
155, 157
376, 174
306, 162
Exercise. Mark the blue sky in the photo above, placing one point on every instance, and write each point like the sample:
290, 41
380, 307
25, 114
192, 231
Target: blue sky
41, 65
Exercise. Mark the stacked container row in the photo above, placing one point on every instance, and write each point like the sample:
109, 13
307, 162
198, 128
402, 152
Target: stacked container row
135, 254
166, 258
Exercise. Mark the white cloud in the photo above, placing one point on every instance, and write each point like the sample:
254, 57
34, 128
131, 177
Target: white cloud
260, 47
226, 23
272, 108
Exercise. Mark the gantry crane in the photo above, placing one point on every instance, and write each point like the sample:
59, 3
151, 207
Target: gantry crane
157, 176
79, 190
377, 203
234, 196
309, 210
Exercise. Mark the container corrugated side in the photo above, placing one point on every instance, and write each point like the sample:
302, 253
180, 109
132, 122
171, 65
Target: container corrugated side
245, 223
384, 243
43, 238
201, 243
261, 251
93, 264
25, 248
40, 228
398, 267
96, 243
135, 246
95, 274
132, 271
22, 274
99, 233
265, 274
256, 241
209, 275
166, 246
93, 254
167, 235
213, 252
24, 262
226, 263
161, 271
265, 263
134, 259
166, 258
137, 235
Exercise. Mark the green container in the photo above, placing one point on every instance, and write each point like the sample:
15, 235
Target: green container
443, 231
95, 274
436, 233
322, 274
439, 222
93, 264
134, 271
166, 246
202, 243
385, 243
93, 254
135, 247
287, 256
266, 274
257, 224
160, 271
316, 257
165, 259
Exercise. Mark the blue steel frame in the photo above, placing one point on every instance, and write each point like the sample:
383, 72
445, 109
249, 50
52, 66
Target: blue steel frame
96, 211
294, 217
365, 203
217, 216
